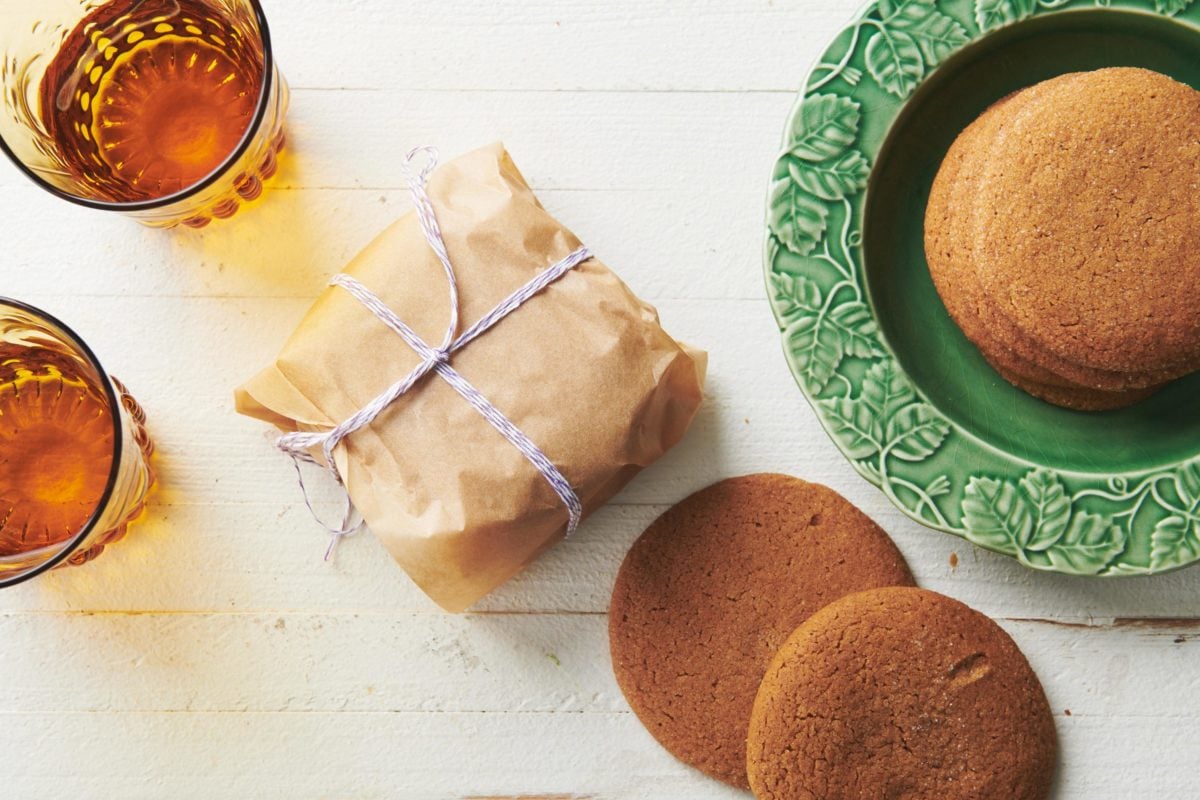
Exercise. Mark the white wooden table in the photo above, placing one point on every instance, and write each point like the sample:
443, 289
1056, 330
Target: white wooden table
213, 654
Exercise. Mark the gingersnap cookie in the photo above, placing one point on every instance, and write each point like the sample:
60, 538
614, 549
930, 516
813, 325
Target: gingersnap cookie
951, 219
900, 692
712, 589
948, 242
1015, 348
1088, 237
950, 234
996, 336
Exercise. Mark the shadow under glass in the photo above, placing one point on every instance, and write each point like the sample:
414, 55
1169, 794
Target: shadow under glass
941, 362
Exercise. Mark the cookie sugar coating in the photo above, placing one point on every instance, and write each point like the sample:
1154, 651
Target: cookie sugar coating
951, 219
1092, 246
901, 693
712, 589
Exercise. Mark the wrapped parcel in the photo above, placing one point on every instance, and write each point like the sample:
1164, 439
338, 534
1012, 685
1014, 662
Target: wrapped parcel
583, 369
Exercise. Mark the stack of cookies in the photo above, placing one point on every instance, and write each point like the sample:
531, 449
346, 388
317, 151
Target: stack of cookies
1063, 235
769, 634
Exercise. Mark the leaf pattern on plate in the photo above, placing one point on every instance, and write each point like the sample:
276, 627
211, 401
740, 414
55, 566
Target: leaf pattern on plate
1066, 522
797, 218
1090, 544
937, 35
916, 432
821, 167
857, 331
834, 179
1035, 520
1188, 484
894, 61
1171, 7
796, 295
817, 349
1176, 542
853, 426
1051, 508
995, 513
825, 127
886, 389
992, 14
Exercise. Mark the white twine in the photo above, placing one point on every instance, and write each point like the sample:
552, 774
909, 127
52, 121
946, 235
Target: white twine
435, 360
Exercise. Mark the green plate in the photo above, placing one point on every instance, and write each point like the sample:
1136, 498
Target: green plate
908, 400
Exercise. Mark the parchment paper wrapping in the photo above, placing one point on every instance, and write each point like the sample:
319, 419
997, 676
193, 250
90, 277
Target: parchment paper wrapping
584, 369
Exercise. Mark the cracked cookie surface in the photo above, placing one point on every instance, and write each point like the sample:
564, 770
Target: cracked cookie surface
711, 590
900, 693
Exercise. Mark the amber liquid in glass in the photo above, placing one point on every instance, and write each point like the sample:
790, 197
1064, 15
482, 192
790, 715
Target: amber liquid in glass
56, 451
146, 98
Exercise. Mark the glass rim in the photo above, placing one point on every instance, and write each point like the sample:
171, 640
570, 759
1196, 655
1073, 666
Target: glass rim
208, 180
114, 402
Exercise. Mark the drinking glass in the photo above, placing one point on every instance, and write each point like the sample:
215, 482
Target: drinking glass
74, 453
168, 111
